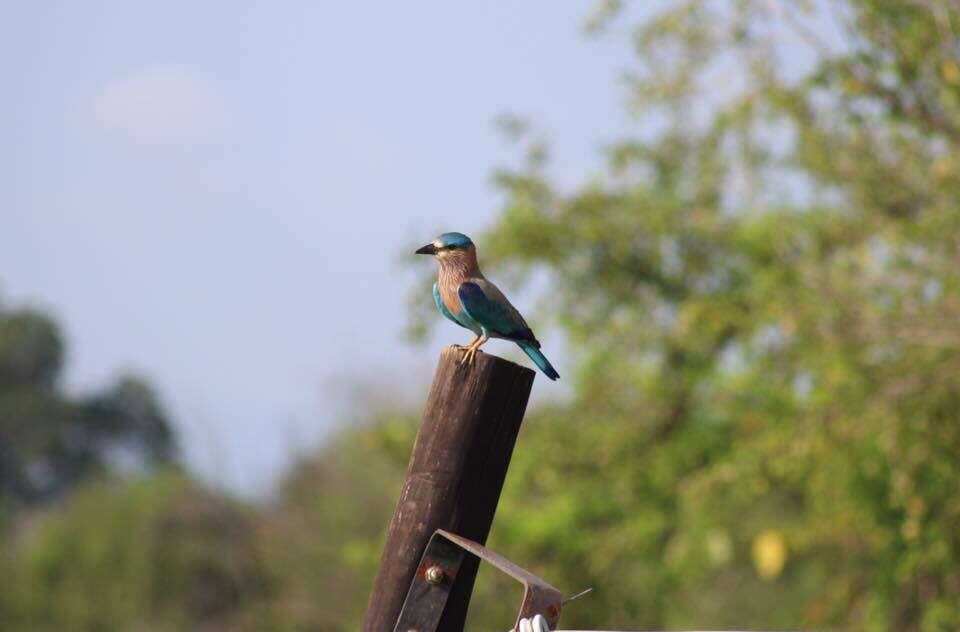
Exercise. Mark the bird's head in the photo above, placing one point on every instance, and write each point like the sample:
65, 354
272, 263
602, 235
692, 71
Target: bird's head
450, 247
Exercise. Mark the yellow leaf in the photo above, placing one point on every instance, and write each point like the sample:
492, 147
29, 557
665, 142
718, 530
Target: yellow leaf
769, 554
950, 71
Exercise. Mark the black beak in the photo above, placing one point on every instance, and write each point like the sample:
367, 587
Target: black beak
429, 249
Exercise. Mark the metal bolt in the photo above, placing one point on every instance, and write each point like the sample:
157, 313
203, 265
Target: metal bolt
433, 575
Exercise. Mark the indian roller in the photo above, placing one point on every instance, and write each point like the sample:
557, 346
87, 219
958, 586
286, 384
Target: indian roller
466, 297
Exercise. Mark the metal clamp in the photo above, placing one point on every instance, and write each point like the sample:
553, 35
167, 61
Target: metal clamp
437, 574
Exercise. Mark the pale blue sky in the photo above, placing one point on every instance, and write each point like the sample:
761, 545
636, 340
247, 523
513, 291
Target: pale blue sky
218, 195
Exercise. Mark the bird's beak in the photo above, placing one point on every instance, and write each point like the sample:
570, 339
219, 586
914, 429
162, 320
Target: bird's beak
429, 249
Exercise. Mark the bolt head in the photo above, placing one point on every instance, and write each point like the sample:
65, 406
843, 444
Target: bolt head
434, 575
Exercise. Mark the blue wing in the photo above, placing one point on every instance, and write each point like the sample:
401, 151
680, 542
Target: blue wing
493, 312
496, 317
441, 307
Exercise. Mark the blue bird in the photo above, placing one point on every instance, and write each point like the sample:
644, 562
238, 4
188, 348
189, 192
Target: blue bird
466, 297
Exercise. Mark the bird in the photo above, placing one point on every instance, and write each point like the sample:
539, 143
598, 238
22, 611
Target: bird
463, 295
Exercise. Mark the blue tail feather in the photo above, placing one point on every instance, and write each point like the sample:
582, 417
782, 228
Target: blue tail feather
539, 359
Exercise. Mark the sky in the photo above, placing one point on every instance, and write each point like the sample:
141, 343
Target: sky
222, 196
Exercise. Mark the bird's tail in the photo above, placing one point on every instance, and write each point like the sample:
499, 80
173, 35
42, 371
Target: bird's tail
539, 359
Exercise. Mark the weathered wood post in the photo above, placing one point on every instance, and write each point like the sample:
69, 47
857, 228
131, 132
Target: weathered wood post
454, 478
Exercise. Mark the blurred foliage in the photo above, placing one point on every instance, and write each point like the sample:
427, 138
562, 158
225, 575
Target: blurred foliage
162, 553
759, 294
324, 535
50, 440
157, 554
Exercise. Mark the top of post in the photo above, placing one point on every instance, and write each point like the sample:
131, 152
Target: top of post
452, 356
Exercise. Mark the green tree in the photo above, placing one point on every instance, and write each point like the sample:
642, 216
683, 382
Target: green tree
49, 440
158, 553
760, 294
163, 553
323, 538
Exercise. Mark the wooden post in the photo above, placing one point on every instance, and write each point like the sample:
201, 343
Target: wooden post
454, 478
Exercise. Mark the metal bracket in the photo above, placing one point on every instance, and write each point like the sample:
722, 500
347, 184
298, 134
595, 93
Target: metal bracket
437, 574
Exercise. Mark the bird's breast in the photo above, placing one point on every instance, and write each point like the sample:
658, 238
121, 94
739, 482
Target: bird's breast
448, 293
449, 283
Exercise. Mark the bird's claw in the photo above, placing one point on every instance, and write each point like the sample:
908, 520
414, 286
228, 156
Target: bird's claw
469, 353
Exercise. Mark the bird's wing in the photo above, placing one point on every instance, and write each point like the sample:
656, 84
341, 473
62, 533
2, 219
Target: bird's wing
486, 304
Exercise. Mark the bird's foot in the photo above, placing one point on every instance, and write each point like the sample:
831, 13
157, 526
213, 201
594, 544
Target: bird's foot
471, 351
468, 354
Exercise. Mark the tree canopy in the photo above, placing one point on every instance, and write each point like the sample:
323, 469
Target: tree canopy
760, 297
49, 440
